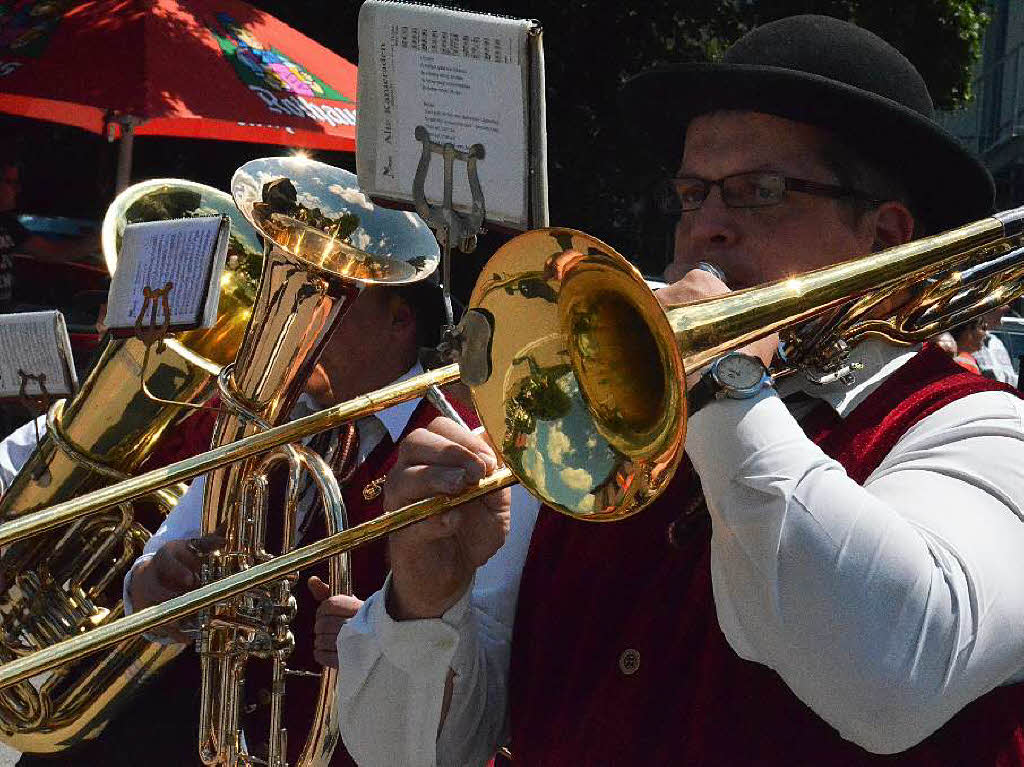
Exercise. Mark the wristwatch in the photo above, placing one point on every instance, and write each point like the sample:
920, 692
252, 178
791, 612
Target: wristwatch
734, 375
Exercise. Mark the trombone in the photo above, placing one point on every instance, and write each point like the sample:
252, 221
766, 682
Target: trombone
578, 374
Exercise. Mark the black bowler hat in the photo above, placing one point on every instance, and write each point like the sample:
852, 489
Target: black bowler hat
833, 74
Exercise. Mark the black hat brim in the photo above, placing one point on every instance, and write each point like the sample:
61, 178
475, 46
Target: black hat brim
949, 186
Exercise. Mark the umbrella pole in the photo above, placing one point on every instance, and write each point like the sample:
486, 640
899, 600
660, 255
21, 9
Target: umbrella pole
124, 155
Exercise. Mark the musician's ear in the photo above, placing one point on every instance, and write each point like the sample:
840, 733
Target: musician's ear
403, 317
894, 225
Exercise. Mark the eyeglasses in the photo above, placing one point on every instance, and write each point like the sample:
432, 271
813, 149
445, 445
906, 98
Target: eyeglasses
755, 189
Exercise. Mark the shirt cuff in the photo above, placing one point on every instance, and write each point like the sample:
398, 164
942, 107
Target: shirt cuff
418, 646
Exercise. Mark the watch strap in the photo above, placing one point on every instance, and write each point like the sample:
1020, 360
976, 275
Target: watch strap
701, 394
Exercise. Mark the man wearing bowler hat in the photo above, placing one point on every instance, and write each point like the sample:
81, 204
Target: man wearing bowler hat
831, 578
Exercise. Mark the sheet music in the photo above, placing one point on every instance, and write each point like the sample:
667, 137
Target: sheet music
36, 343
460, 75
183, 252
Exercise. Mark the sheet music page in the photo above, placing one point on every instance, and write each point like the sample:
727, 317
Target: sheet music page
183, 252
461, 76
34, 342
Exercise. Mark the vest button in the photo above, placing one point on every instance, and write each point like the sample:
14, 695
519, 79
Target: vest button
629, 661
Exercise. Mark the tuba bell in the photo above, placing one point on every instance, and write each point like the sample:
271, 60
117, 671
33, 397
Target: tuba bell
67, 581
325, 242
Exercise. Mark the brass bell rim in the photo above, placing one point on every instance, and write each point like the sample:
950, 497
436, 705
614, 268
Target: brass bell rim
323, 252
529, 356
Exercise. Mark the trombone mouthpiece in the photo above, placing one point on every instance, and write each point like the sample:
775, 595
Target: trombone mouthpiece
711, 269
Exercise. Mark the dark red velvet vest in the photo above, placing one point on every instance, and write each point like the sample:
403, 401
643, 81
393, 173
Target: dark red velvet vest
599, 601
369, 570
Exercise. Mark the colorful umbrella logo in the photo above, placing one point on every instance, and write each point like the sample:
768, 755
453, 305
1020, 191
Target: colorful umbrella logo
216, 69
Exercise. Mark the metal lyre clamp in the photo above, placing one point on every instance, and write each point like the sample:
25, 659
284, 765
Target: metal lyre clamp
156, 332
37, 404
157, 300
451, 226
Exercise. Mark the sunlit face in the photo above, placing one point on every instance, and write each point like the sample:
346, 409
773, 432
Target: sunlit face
757, 245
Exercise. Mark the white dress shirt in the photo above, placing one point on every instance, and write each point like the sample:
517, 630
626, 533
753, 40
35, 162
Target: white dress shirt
185, 519
885, 607
16, 448
994, 360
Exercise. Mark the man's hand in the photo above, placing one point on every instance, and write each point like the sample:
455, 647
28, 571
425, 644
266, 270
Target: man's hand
172, 571
433, 562
331, 615
697, 285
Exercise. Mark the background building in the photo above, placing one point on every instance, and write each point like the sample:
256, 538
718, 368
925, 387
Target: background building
993, 124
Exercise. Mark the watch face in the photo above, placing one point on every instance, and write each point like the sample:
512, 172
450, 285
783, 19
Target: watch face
738, 371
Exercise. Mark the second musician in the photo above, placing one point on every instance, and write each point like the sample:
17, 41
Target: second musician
376, 344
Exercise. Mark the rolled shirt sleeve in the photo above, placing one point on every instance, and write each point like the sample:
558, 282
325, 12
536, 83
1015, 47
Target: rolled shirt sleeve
392, 674
886, 607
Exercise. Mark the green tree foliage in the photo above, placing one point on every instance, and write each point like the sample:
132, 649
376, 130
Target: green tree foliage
597, 175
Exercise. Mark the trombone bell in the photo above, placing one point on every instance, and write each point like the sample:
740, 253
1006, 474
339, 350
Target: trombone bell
599, 447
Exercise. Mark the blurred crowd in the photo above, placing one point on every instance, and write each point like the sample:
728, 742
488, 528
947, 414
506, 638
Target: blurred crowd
991, 345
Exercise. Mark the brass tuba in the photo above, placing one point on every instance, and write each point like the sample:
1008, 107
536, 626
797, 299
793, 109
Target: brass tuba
68, 581
325, 241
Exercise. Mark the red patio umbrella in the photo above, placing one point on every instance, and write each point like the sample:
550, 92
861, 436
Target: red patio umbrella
214, 69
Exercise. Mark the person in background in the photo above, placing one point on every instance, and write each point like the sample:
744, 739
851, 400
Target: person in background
15, 238
992, 358
969, 338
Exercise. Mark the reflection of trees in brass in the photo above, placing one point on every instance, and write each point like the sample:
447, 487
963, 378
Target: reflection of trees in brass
316, 236
536, 396
526, 284
246, 265
177, 203
280, 196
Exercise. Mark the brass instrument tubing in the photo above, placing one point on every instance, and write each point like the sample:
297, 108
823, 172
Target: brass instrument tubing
173, 609
358, 407
707, 329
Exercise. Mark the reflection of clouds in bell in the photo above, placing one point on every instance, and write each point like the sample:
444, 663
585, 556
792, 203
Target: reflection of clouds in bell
263, 177
534, 469
580, 459
312, 201
360, 239
558, 445
415, 220
351, 196
243, 186
577, 479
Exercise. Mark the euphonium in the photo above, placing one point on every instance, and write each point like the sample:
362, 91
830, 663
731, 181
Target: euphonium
69, 580
325, 241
